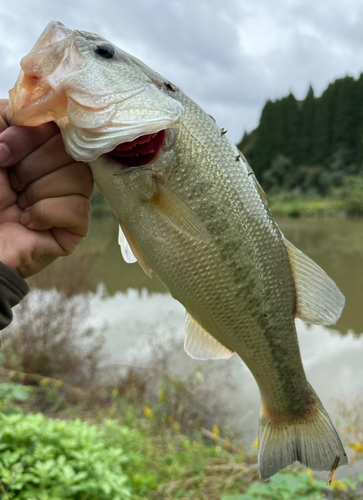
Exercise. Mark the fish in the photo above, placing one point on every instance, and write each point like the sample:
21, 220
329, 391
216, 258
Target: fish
192, 212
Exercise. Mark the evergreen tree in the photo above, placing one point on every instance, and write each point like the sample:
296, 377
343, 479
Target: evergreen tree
266, 139
359, 104
345, 116
321, 141
324, 134
307, 119
289, 142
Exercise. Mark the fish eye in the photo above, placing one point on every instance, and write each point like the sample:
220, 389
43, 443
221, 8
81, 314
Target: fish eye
105, 50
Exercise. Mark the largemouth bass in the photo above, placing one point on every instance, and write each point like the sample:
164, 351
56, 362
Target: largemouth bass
192, 212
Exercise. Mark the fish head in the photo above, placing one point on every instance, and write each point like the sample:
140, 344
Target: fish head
103, 99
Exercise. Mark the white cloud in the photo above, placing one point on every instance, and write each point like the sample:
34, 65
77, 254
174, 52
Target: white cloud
228, 56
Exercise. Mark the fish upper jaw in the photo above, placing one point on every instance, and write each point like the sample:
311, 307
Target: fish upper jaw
38, 95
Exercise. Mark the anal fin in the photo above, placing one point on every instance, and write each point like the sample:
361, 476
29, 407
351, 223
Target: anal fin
199, 344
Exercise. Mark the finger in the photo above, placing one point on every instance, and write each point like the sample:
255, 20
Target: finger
70, 212
75, 178
3, 122
8, 197
48, 157
18, 142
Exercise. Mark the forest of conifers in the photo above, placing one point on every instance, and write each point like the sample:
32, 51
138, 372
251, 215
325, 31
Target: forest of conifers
309, 146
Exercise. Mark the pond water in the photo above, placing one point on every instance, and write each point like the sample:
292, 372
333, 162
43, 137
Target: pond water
136, 309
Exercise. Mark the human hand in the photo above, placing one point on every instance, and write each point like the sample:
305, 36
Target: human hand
44, 197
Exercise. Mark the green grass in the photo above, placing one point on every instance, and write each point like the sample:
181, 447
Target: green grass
74, 459
133, 457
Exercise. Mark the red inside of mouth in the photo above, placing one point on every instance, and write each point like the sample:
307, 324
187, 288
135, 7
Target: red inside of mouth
139, 152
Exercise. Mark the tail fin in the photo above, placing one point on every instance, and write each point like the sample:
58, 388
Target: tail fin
312, 441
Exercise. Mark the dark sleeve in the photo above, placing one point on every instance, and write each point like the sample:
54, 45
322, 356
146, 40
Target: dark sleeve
12, 289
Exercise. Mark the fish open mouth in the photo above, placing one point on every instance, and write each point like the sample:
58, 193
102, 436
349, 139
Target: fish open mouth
140, 151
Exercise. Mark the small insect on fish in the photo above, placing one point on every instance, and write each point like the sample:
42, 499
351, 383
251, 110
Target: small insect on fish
198, 219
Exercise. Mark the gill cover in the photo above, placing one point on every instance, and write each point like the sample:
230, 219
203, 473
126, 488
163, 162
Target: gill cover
98, 102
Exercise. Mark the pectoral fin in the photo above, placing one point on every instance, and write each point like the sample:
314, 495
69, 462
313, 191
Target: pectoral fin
131, 246
318, 299
199, 344
126, 251
175, 211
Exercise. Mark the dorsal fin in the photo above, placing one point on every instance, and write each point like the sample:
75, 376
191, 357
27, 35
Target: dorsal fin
126, 251
178, 213
318, 299
199, 344
136, 251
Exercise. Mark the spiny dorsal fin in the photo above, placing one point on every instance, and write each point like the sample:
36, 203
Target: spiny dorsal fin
199, 344
318, 299
136, 251
126, 251
174, 209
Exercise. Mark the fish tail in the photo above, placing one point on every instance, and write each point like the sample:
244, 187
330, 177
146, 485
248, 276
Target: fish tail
310, 439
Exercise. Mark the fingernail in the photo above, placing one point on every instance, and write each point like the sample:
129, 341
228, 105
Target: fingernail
14, 182
4, 153
25, 218
22, 201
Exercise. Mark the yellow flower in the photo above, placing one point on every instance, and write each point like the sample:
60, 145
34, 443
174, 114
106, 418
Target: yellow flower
148, 412
44, 381
59, 383
215, 430
357, 447
170, 419
309, 472
114, 392
339, 485
255, 444
176, 426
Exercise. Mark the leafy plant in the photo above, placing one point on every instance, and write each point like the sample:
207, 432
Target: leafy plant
14, 392
351, 194
285, 486
69, 459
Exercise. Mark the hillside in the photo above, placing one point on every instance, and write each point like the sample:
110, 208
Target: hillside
309, 146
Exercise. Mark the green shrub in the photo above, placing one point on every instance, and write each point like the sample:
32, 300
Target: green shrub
13, 392
68, 459
351, 194
286, 486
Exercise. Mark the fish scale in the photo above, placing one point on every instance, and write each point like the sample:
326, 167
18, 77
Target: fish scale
196, 217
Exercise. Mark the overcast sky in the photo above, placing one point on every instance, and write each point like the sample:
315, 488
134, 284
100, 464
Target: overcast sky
230, 56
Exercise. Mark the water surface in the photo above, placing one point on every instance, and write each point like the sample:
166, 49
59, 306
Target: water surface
137, 309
